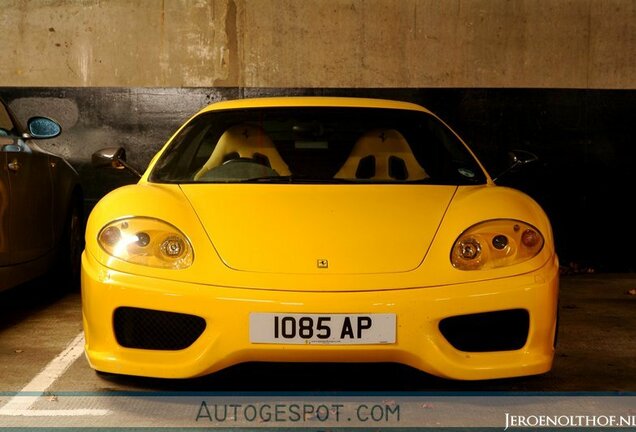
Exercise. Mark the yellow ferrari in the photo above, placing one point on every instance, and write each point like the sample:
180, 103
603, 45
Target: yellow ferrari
317, 230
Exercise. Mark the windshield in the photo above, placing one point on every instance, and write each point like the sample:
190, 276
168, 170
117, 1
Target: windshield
317, 145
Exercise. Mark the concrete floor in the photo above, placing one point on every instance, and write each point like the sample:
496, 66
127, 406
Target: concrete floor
596, 351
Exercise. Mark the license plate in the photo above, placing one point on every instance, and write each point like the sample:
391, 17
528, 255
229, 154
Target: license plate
342, 329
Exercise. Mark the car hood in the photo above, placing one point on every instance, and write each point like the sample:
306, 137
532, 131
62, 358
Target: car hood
320, 229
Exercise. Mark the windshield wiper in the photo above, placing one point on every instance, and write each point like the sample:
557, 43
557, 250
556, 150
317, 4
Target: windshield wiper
295, 179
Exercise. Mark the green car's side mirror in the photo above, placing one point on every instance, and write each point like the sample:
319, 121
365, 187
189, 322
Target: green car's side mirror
43, 128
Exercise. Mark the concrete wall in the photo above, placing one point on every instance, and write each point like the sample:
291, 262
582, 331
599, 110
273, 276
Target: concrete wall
319, 43
555, 77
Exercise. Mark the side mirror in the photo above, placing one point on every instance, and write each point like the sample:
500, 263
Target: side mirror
517, 159
521, 157
43, 128
112, 157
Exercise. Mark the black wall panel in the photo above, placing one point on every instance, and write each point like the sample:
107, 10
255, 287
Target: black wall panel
586, 140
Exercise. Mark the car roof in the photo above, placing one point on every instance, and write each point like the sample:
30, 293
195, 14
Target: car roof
312, 101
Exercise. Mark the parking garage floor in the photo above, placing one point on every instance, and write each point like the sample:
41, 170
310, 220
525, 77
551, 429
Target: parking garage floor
596, 352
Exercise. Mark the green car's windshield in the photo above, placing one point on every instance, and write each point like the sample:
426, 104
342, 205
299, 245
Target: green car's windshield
316, 145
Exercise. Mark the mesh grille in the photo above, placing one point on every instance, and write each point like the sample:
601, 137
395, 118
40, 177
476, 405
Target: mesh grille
491, 331
157, 330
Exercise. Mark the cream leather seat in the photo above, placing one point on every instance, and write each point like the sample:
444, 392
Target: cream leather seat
245, 141
382, 154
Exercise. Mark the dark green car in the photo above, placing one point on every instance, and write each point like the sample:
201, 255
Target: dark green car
40, 206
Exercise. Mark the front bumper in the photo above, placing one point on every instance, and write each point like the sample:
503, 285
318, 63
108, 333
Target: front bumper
225, 338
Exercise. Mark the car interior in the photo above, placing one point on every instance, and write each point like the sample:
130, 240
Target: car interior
380, 154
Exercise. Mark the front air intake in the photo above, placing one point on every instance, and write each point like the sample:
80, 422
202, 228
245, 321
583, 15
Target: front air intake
490, 331
156, 330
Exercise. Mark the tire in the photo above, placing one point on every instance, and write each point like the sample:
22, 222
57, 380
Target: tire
68, 264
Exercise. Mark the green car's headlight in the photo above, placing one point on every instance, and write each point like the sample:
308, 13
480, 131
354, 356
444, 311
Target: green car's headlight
146, 241
496, 243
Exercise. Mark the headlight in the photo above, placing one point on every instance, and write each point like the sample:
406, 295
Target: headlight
496, 243
146, 241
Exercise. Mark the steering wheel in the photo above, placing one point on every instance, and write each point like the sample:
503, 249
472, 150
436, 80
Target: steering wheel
241, 160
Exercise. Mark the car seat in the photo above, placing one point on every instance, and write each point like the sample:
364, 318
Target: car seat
382, 154
245, 141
